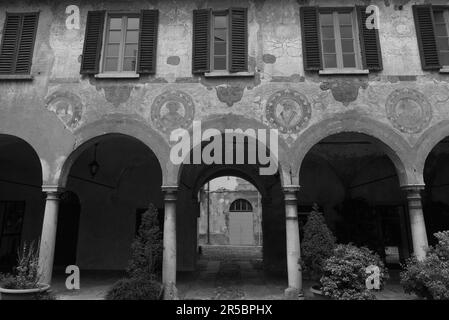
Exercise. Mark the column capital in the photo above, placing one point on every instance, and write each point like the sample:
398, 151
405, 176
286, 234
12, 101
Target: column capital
292, 188
290, 192
413, 190
170, 193
52, 190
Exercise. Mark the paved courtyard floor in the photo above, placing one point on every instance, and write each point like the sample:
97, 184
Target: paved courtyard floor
223, 273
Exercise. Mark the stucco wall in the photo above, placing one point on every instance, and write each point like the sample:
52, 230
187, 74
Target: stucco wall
368, 104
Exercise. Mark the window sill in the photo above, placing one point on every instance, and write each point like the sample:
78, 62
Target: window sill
117, 75
216, 74
343, 71
16, 77
444, 69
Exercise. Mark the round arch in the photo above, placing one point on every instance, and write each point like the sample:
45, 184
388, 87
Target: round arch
390, 142
237, 122
8, 139
211, 173
428, 141
132, 128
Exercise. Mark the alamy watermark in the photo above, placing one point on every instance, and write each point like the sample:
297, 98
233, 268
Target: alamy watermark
240, 147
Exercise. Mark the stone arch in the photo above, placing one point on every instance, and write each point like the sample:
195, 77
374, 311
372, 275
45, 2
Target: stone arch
428, 141
215, 172
233, 121
390, 142
117, 124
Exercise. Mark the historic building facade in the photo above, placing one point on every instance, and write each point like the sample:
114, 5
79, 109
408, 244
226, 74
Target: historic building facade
87, 111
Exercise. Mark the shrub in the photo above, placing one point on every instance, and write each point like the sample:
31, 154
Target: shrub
145, 263
344, 273
134, 289
429, 278
317, 246
26, 275
146, 257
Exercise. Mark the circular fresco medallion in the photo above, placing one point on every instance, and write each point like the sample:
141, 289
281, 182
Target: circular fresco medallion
408, 110
172, 110
288, 110
67, 106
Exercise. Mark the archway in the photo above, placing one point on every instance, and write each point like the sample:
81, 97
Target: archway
435, 199
356, 184
230, 215
115, 177
192, 177
21, 200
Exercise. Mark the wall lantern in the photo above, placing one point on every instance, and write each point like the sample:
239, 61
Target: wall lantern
94, 166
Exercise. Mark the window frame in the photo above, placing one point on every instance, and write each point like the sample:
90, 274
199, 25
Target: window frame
445, 10
240, 202
212, 40
14, 75
121, 57
337, 37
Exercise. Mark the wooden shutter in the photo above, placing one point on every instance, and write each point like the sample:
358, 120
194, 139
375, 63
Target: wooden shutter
369, 42
201, 41
19, 35
93, 41
149, 21
311, 42
238, 36
425, 33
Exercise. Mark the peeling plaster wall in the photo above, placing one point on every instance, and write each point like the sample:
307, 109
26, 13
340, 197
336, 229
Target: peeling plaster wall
31, 109
56, 108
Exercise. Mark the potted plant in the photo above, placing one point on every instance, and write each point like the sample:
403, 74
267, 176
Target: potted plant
24, 283
429, 278
144, 268
317, 246
345, 273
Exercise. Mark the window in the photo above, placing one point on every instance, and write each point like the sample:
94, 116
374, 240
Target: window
338, 34
432, 23
337, 40
241, 205
120, 43
220, 41
122, 40
17, 46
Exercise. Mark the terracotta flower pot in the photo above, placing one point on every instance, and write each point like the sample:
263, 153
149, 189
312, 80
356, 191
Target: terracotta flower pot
22, 294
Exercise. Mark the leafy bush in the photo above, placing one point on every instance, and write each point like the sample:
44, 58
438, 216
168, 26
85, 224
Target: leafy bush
344, 273
317, 246
145, 264
26, 275
146, 257
134, 289
429, 278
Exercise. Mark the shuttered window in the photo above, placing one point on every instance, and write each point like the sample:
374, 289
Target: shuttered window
338, 39
220, 40
17, 46
120, 43
432, 32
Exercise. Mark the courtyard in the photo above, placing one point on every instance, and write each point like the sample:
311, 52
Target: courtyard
223, 273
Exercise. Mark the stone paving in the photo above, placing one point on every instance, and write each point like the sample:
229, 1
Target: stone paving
224, 273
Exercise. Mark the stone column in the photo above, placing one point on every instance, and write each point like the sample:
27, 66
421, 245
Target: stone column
169, 253
417, 225
48, 236
294, 290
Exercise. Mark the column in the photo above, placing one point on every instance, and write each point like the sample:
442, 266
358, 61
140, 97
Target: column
294, 290
48, 236
417, 225
169, 253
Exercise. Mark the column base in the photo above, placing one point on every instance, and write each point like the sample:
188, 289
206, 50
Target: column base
293, 294
170, 292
